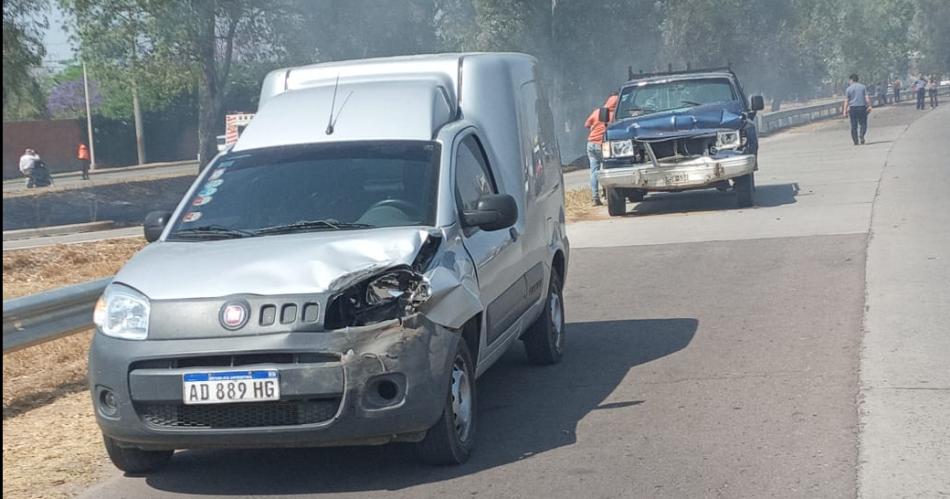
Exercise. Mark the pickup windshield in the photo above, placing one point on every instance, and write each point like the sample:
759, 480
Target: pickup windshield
317, 187
669, 95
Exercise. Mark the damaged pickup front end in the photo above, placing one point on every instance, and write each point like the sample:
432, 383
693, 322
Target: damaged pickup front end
704, 136
360, 352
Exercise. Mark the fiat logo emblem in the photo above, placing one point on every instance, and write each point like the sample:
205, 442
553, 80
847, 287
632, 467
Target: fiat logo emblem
234, 315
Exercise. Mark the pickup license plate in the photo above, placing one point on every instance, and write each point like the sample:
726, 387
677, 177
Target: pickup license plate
230, 386
676, 178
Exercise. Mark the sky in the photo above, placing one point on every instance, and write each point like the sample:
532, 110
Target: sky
56, 39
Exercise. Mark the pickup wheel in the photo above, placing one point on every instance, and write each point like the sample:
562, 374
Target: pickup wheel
745, 187
616, 202
451, 439
635, 195
132, 460
544, 340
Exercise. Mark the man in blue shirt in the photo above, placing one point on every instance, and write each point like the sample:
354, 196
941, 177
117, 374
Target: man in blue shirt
857, 105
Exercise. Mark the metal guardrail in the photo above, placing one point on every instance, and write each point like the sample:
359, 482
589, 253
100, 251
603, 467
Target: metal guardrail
43, 317
767, 123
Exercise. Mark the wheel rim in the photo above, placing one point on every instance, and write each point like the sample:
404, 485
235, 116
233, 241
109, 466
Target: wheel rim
557, 319
461, 399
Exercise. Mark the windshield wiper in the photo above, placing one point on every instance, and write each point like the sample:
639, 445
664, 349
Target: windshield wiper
310, 225
691, 103
212, 231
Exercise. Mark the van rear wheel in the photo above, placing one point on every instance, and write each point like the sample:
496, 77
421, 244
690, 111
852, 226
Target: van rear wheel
544, 341
452, 437
616, 202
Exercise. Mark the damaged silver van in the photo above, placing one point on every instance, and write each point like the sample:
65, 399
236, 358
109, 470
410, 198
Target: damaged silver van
379, 235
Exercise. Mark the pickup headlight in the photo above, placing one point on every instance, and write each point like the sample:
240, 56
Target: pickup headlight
122, 312
728, 140
621, 148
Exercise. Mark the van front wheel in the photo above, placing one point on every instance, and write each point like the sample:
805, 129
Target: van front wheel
616, 202
132, 460
451, 439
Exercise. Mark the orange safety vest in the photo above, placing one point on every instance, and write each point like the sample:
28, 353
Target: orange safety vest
83, 152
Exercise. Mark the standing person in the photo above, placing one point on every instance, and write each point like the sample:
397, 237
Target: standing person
897, 90
27, 163
83, 156
920, 88
932, 89
595, 140
857, 105
882, 94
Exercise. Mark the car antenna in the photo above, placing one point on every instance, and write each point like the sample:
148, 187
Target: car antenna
332, 121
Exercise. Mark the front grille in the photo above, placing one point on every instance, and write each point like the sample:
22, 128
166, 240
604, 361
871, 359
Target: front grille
685, 147
244, 415
237, 360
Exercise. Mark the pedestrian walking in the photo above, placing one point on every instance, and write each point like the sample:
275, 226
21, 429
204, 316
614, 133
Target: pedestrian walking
920, 89
595, 141
857, 105
83, 156
932, 88
897, 90
27, 163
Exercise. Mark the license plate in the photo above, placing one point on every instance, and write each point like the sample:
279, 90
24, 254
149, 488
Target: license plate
230, 386
677, 177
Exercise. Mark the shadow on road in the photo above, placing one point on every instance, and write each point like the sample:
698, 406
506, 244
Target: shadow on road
524, 411
766, 196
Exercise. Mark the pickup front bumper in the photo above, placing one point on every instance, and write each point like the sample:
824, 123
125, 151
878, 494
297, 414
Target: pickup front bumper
693, 173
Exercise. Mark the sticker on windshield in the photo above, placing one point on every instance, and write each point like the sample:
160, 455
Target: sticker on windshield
201, 201
214, 183
207, 191
191, 216
216, 174
224, 164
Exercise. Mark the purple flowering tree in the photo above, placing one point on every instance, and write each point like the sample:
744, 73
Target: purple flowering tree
67, 99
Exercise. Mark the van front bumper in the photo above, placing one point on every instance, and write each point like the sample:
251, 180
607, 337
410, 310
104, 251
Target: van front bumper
329, 387
694, 173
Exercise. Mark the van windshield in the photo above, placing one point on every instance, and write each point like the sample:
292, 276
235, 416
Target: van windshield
316, 187
668, 95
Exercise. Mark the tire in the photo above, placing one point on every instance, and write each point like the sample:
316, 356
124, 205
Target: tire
450, 440
616, 203
132, 460
635, 195
544, 341
745, 187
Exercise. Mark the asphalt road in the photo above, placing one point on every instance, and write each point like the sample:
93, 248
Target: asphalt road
712, 352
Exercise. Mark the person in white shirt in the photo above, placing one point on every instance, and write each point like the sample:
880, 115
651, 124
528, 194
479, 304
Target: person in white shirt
27, 163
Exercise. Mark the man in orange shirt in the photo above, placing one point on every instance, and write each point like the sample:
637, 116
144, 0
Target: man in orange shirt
595, 140
83, 156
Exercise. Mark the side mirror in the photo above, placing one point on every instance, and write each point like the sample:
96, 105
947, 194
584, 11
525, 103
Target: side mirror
155, 223
494, 212
758, 103
604, 115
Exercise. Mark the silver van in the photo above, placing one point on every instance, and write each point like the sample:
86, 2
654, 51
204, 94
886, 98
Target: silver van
380, 234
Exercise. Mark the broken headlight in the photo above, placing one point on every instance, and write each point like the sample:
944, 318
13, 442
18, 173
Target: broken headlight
728, 140
621, 148
393, 294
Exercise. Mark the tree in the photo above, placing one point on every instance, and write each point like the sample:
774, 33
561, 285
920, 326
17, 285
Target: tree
67, 99
23, 52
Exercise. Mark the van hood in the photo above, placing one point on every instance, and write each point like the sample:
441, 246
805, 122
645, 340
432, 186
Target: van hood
313, 262
679, 123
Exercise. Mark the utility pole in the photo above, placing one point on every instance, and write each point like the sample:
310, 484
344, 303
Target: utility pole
92, 146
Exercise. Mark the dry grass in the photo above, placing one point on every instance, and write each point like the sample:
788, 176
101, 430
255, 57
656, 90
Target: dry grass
39, 269
578, 207
52, 452
51, 445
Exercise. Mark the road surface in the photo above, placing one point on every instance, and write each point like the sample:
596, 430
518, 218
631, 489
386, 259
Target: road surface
712, 352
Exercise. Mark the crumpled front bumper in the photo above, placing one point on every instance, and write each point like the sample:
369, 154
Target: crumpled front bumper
336, 372
693, 173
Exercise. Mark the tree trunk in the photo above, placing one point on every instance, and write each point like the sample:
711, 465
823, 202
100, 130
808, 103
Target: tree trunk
139, 131
209, 101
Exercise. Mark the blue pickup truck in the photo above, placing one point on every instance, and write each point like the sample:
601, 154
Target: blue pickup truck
680, 131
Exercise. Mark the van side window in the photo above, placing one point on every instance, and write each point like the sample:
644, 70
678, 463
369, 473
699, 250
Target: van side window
473, 178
